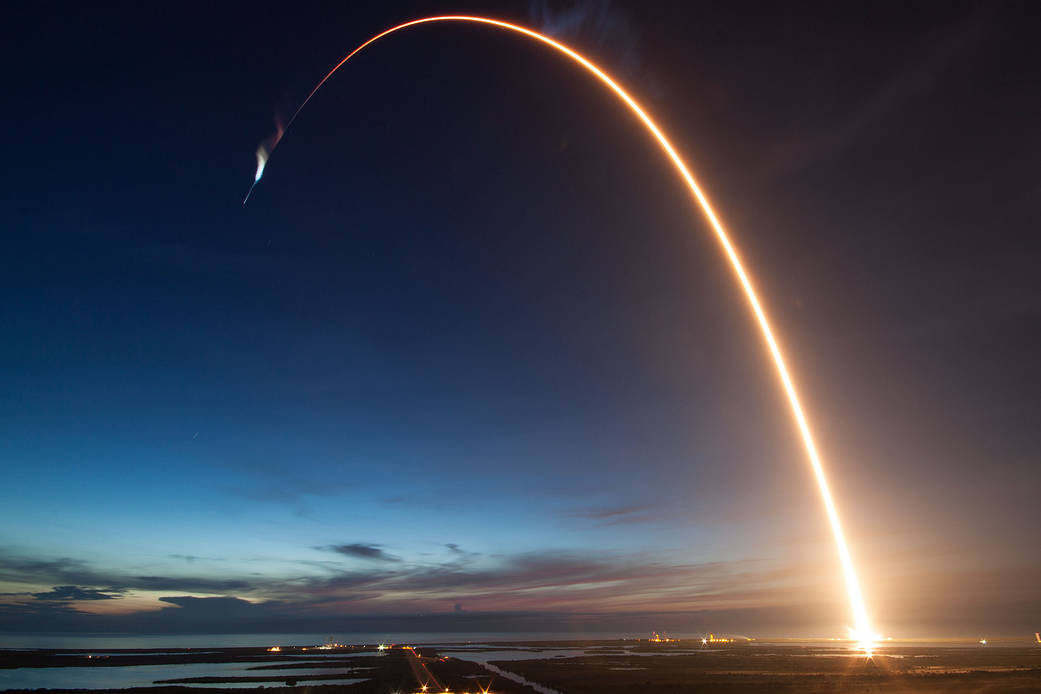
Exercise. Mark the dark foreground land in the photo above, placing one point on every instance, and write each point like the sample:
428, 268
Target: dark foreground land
604, 667
289, 671
763, 668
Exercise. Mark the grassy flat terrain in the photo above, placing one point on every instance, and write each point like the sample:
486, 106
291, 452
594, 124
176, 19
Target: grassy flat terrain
603, 667
767, 668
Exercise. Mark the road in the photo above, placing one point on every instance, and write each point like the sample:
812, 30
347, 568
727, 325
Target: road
422, 673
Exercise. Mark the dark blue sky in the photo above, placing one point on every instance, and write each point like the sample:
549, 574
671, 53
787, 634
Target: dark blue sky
470, 350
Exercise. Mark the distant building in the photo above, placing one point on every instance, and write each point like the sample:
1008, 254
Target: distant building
658, 638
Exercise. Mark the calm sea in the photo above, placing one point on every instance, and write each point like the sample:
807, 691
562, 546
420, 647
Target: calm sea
87, 641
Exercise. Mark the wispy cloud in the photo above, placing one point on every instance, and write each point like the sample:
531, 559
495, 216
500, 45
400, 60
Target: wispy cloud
601, 23
536, 590
70, 575
359, 550
909, 83
616, 515
460, 555
382, 581
77, 593
192, 558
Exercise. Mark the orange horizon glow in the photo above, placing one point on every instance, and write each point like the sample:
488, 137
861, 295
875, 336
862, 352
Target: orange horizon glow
861, 632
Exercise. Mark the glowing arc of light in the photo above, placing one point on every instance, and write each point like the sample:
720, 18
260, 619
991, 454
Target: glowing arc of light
862, 630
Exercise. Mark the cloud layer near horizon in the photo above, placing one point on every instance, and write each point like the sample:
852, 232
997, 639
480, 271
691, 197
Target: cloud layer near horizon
465, 591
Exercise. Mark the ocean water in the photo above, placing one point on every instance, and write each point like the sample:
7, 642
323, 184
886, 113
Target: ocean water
92, 642
146, 675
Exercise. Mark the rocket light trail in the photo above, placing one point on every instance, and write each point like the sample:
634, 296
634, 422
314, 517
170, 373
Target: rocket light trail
861, 631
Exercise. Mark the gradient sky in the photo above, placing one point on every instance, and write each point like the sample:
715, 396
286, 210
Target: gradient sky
470, 358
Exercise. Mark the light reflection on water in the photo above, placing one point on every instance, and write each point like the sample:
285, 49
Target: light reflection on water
251, 685
519, 680
484, 656
136, 654
145, 675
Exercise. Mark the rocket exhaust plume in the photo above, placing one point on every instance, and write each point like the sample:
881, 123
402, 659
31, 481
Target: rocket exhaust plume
264, 150
861, 630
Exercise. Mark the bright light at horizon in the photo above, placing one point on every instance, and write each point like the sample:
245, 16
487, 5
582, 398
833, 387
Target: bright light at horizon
865, 641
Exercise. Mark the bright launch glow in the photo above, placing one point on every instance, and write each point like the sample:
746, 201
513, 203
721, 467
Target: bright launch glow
861, 631
261, 163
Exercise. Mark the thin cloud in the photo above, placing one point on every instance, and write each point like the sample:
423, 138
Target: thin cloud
189, 584
65, 572
911, 82
616, 515
67, 593
360, 550
540, 590
600, 22
460, 555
